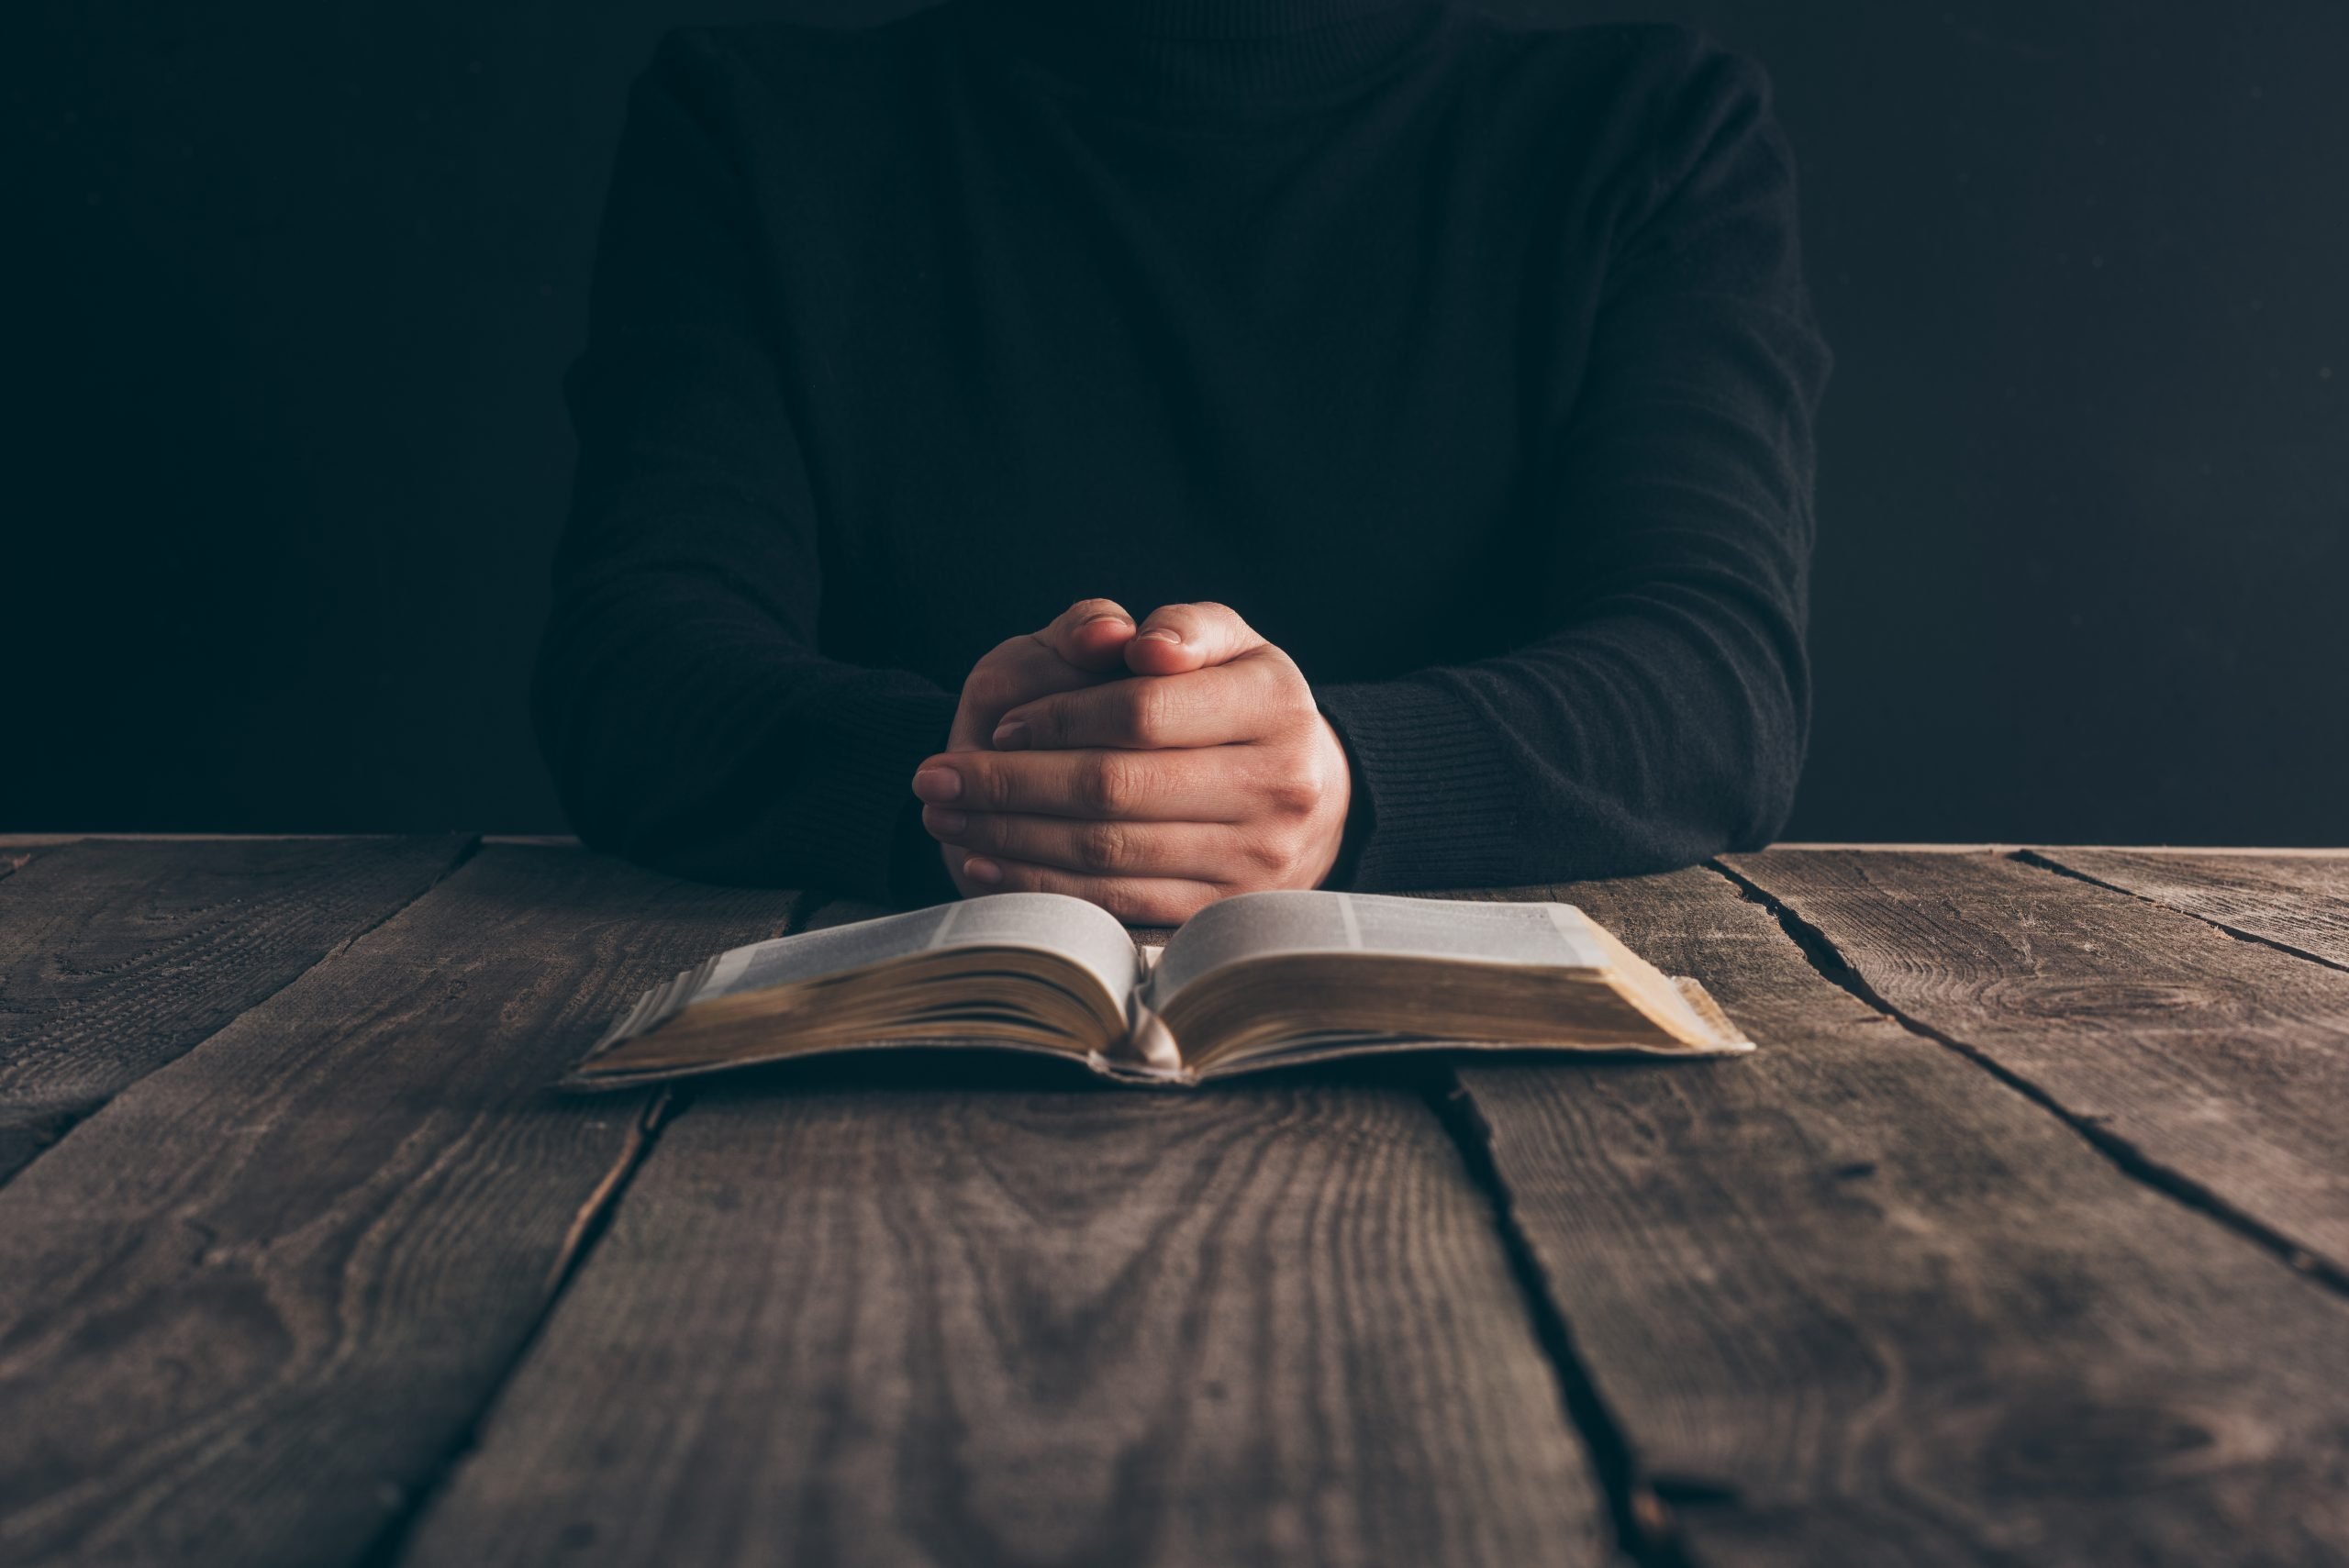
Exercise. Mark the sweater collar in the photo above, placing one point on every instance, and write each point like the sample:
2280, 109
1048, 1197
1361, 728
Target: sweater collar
1228, 56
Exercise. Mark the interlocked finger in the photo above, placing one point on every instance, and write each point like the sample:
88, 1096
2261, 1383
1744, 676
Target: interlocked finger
1199, 851
1212, 783
1245, 700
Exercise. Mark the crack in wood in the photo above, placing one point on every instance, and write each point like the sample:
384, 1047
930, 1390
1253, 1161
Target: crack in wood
586, 1228
587, 1225
2133, 1161
28, 1142
2039, 861
467, 848
1636, 1505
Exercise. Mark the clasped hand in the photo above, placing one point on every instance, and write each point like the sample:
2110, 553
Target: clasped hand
1149, 768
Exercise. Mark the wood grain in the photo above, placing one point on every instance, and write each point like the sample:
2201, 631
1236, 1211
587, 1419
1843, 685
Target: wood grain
2298, 902
1853, 1300
116, 957
2223, 1063
847, 1315
247, 1309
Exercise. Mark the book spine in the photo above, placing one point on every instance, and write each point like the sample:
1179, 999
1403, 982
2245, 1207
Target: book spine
1141, 1073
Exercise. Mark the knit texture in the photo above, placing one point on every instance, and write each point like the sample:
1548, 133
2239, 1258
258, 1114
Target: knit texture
1470, 361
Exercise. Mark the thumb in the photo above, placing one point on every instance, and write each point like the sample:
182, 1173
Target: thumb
1090, 634
1177, 639
1085, 643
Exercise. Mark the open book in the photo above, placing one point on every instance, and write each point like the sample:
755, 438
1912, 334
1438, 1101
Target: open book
1261, 980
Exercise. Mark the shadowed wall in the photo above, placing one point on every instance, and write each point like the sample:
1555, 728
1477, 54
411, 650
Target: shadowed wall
283, 453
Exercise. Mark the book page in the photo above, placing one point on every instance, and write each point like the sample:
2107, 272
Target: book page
780, 961
1082, 933
1257, 924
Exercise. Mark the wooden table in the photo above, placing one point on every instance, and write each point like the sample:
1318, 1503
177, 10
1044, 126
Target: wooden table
2023, 1238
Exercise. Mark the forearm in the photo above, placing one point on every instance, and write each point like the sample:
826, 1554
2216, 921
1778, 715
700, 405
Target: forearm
689, 730
1657, 710
1639, 740
682, 703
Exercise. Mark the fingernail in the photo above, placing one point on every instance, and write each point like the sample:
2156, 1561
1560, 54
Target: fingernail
1159, 634
1096, 620
945, 819
1011, 735
938, 783
979, 869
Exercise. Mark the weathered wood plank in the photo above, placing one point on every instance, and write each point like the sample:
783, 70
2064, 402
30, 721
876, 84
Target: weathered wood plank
115, 957
1853, 1300
1027, 1320
2299, 902
249, 1306
2222, 1064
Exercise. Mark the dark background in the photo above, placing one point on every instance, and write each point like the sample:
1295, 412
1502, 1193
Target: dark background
283, 453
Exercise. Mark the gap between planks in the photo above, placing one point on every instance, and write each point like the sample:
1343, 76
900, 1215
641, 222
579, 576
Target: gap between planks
376, 1137
1852, 1301
587, 1227
1642, 1520
531, 1418
2047, 860
2125, 1155
14, 859
1645, 1535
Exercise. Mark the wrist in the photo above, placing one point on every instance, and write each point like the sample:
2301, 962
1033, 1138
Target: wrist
1334, 865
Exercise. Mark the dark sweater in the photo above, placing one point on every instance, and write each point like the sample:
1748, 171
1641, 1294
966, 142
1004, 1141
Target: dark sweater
1471, 364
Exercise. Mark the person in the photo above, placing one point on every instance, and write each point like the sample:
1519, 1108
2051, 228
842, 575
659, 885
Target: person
1155, 450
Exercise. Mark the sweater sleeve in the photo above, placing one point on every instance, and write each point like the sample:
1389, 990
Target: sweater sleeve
680, 701
1660, 715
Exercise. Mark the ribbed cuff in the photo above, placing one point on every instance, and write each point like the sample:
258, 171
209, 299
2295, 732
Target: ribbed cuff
1360, 815
1443, 802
